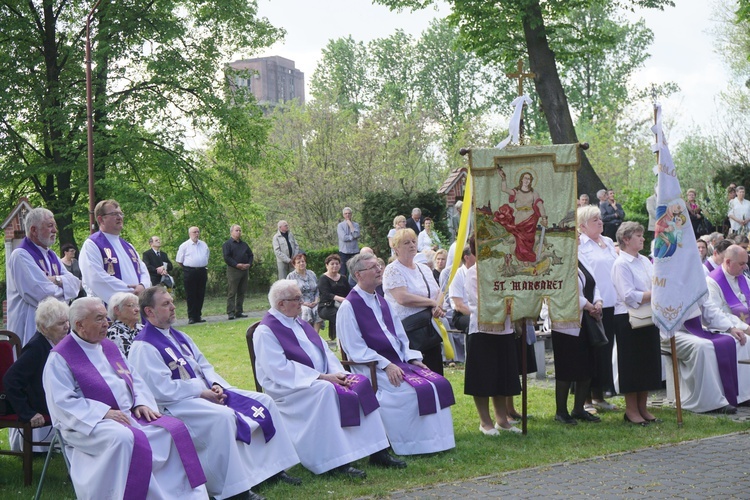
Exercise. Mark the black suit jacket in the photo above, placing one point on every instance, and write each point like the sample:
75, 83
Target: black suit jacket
23, 380
152, 262
413, 225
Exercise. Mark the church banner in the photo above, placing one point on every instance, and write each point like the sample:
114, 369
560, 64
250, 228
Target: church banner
524, 203
679, 284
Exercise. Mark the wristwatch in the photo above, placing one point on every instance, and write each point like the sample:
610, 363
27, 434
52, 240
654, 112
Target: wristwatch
58, 281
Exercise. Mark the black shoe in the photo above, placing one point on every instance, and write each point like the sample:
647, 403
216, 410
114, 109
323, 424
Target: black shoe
585, 417
351, 472
565, 419
200, 320
230, 316
385, 459
725, 410
191, 321
625, 417
240, 315
284, 478
251, 495
744, 403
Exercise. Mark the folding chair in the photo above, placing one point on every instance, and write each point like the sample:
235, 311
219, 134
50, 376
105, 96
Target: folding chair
56, 439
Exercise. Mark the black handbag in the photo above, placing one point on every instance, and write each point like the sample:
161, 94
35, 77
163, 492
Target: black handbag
594, 327
418, 327
5, 407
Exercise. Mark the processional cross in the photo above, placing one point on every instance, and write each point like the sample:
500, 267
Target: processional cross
521, 75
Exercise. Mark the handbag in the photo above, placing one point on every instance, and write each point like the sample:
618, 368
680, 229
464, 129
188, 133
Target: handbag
419, 330
595, 329
641, 316
5, 407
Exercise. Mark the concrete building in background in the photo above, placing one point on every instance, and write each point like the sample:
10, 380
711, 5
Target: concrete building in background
272, 80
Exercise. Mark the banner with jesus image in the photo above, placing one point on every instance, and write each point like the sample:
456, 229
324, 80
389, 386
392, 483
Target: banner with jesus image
524, 205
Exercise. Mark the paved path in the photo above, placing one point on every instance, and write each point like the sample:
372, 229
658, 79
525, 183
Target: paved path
715, 467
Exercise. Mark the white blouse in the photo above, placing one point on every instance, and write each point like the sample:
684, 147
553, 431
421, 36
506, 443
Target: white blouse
631, 277
418, 281
599, 262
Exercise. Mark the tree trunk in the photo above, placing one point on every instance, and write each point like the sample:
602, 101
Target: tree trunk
551, 94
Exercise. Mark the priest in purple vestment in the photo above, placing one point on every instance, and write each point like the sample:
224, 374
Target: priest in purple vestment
332, 416
414, 401
119, 445
239, 435
35, 273
109, 264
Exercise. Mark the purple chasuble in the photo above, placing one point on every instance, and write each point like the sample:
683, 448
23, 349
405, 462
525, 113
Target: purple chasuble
181, 369
93, 386
34, 251
359, 393
708, 265
726, 357
421, 379
109, 257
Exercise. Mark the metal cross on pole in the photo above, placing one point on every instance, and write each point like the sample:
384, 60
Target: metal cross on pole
521, 75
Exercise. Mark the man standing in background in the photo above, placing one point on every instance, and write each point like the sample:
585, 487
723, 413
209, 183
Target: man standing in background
285, 247
157, 262
193, 257
348, 233
239, 258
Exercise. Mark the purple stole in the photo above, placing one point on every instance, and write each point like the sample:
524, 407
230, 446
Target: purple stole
421, 379
726, 357
109, 257
93, 386
34, 251
737, 307
359, 393
708, 265
181, 369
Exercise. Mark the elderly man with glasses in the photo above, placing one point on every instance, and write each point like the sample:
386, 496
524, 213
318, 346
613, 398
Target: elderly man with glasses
332, 416
109, 264
414, 401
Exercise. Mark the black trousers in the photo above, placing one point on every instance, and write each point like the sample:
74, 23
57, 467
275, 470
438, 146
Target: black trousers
195, 279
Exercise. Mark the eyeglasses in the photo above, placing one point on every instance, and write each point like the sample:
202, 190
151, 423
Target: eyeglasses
374, 266
116, 214
293, 299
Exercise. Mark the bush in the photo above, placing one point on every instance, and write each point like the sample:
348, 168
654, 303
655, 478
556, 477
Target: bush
381, 207
316, 259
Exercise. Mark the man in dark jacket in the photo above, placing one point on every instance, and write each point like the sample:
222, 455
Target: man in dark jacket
239, 258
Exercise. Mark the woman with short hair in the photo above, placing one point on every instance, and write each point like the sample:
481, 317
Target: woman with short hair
638, 350
413, 293
308, 285
124, 312
399, 222
333, 287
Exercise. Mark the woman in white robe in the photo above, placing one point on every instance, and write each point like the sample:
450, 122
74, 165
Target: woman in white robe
100, 449
309, 406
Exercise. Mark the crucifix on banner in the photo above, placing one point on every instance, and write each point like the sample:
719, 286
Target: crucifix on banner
521, 75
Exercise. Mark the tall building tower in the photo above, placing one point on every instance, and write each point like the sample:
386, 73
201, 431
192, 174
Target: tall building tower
272, 80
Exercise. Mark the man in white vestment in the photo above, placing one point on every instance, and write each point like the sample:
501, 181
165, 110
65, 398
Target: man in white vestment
703, 377
411, 430
239, 435
35, 273
332, 416
109, 264
118, 444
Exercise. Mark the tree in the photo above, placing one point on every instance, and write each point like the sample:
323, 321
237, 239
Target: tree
501, 31
155, 87
341, 77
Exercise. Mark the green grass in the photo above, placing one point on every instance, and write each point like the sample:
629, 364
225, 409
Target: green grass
475, 455
217, 306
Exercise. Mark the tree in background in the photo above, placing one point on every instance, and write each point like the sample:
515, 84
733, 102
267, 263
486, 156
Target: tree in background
155, 88
503, 31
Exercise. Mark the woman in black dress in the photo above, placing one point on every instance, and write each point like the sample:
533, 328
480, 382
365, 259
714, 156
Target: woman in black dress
333, 288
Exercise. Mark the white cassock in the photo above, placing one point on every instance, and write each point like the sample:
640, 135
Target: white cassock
310, 406
701, 389
27, 286
231, 466
409, 433
100, 449
97, 282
